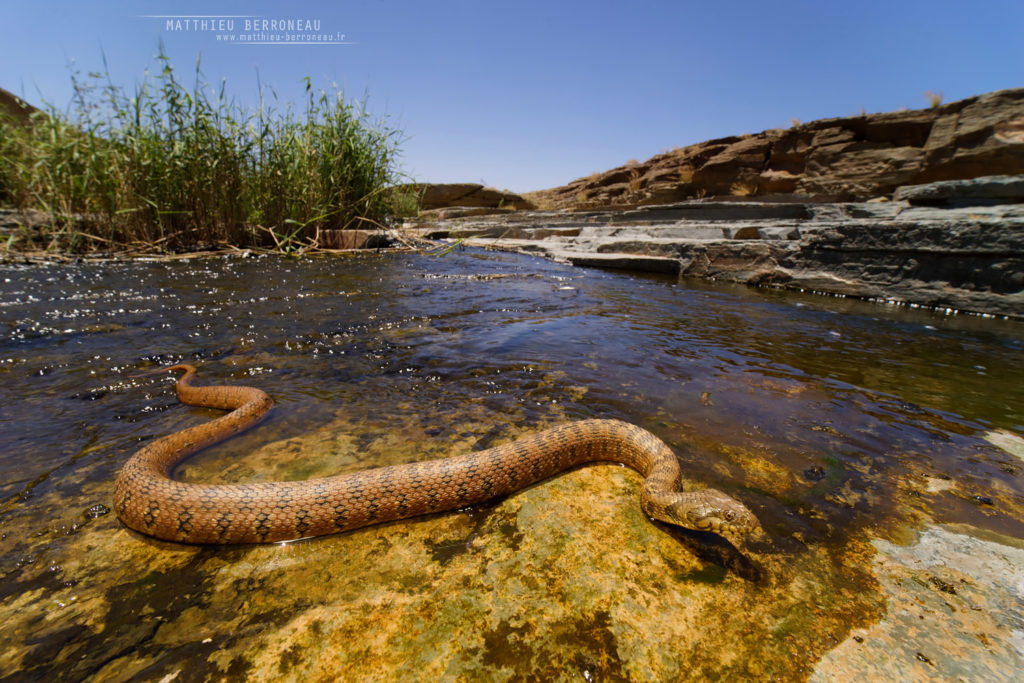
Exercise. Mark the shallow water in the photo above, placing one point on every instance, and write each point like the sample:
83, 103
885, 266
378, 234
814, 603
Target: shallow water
832, 419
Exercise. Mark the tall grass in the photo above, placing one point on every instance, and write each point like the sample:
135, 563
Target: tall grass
171, 167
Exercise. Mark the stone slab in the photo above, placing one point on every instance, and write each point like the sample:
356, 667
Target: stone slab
954, 612
620, 261
986, 190
962, 258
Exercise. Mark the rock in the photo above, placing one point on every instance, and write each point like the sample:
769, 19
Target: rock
435, 196
716, 211
778, 182
463, 211
858, 170
1007, 441
525, 588
954, 605
967, 259
354, 239
975, 137
621, 261
986, 190
746, 232
848, 159
742, 261
16, 107
738, 163
779, 233
447, 195
963, 263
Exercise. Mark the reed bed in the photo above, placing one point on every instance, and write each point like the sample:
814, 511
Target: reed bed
171, 168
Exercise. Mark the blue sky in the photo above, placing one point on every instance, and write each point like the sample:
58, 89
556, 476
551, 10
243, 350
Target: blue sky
529, 95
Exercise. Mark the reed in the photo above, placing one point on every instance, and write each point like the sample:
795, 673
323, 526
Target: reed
169, 167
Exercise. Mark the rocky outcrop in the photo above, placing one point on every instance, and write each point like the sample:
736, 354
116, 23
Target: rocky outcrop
807, 208
451, 200
968, 258
842, 159
354, 239
908, 578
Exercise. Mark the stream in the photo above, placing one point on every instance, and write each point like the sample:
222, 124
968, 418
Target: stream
836, 421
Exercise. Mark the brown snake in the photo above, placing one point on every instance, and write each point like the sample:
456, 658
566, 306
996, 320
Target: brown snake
148, 500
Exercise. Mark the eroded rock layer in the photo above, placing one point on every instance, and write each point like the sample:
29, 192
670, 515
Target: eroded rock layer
841, 159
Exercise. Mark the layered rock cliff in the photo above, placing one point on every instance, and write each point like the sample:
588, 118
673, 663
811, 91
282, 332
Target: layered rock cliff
921, 207
843, 159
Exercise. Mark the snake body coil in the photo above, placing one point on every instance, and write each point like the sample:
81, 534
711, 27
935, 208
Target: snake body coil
148, 500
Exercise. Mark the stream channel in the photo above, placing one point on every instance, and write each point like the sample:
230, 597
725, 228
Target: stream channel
880, 447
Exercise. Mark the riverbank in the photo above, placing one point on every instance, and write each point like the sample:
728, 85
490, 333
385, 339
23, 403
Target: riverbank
923, 208
955, 244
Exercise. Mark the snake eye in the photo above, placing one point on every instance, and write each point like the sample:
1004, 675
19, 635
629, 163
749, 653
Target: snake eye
729, 515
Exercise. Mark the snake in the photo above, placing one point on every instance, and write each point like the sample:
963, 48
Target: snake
149, 500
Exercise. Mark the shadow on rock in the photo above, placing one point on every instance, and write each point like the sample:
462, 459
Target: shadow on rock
715, 549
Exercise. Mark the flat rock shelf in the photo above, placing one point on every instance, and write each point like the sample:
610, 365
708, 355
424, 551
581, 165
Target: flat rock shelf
964, 258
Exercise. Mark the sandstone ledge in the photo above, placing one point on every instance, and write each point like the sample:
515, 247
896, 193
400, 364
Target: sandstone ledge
841, 159
965, 258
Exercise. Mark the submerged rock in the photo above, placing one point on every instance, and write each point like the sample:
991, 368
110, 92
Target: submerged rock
954, 611
1007, 441
566, 578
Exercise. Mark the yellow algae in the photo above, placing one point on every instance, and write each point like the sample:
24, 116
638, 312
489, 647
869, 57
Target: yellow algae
565, 579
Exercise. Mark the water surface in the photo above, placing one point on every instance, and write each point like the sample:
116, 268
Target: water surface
832, 419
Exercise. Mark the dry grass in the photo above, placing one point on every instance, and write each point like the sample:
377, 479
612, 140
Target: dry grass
934, 98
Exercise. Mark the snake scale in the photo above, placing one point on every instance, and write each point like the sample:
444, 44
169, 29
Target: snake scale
149, 500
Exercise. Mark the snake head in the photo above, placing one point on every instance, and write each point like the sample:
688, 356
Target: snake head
711, 510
